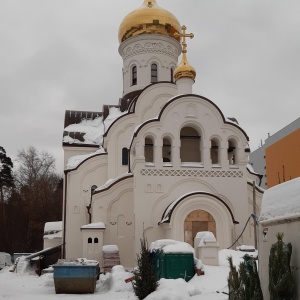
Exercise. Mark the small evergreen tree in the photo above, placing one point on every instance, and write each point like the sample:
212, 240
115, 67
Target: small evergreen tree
250, 279
281, 283
235, 285
244, 284
145, 279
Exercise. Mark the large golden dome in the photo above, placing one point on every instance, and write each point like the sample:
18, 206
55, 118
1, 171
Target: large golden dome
149, 19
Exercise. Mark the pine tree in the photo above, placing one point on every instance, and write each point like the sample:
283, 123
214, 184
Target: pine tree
6, 177
281, 283
250, 279
235, 285
145, 279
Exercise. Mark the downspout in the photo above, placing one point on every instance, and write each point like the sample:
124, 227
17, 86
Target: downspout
65, 215
129, 169
93, 187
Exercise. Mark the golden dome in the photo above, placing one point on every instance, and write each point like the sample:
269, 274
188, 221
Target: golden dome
184, 69
149, 19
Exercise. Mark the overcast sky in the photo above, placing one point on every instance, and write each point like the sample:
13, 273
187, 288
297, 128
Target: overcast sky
63, 54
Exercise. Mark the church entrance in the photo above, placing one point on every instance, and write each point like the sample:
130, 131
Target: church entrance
198, 220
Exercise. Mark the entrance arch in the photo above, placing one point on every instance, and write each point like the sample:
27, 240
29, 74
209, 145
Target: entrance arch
198, 220
178, 211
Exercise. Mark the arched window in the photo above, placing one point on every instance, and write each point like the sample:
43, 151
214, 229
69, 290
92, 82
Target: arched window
166, 150
214, 151
124, 157
154, 76
90, 240
149, 157
232, 152
96, 241
172, 74
190, 145
134, 75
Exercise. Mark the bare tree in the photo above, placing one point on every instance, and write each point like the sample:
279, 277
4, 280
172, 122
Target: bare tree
37, 183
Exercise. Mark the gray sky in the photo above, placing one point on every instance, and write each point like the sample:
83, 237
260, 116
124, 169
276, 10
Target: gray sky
54, 55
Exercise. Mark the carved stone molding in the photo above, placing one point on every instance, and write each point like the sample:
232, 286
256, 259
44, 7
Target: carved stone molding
191, 173
154, 48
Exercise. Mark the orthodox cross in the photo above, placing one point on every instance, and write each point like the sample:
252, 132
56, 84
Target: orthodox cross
184, 35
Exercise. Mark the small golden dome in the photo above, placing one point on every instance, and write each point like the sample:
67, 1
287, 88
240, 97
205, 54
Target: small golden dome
184, 69
149, 19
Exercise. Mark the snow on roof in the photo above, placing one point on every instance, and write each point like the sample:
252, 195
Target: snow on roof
114, 113
57, 235
98, 225
110, 249
111, 181
93, 129
53, 226
281, 201
171, 246
74, 161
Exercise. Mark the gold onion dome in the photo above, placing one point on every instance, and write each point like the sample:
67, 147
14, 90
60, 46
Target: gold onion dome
149, 19
184, 69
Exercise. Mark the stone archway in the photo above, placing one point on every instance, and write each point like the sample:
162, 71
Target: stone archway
198, 220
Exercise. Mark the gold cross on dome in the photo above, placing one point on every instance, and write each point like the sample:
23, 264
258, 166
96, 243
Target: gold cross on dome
184, 35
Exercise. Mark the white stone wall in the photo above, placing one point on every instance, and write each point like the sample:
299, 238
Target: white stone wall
142, 51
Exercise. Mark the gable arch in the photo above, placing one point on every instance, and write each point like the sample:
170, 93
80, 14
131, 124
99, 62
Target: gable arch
179, 210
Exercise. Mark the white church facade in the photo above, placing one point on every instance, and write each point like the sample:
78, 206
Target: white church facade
163, 162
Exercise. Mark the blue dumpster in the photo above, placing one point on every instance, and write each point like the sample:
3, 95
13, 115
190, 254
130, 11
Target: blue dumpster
75, 278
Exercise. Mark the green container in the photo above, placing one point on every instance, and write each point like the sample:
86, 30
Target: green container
174, 265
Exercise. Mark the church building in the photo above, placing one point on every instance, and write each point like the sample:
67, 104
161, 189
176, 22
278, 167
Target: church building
163, 162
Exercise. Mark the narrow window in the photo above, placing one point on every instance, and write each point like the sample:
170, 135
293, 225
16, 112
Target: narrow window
214, 152
124, 157
96, 240
149, 150
166, 151
134, 75
154, 73
232, 152
90, 240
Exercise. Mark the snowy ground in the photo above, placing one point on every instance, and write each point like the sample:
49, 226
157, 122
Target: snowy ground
112, 286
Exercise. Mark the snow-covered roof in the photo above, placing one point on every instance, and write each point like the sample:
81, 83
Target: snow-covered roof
93, 131
110, 249
53, 226
56, 235
172, 246
281, 202
98, 225
112, 181
114, 113
90, 128
75, 161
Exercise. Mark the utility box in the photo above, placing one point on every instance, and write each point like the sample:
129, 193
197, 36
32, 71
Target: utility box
174, 265
76, 278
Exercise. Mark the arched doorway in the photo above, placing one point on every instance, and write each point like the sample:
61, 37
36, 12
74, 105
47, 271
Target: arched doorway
198, 220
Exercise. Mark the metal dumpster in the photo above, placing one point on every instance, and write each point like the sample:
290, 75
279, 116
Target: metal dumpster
174, 265
75, 277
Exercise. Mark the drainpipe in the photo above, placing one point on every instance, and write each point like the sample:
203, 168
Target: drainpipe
90, 205
64, 216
